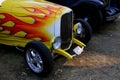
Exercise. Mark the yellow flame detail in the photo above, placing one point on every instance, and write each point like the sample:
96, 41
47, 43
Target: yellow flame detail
2, 17
1, 28
9, 24
28, 20
20, 34
5, 32
38, 39
39, 15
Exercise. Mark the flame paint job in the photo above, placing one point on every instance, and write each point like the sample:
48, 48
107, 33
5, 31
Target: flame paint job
24, 20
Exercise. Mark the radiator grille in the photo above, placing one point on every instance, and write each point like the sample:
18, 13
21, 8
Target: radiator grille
66, 30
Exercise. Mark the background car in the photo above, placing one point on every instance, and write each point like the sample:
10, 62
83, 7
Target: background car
95, 12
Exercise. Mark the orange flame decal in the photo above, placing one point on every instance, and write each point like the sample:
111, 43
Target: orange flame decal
32, 24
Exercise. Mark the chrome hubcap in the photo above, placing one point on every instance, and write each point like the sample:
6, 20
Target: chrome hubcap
82, 35
34, 60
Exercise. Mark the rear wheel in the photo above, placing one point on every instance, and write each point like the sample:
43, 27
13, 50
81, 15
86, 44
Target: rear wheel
38, 58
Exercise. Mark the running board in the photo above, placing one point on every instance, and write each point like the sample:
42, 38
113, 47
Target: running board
112, 17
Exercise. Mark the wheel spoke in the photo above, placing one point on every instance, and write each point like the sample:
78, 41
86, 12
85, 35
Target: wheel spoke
41, 62
33, 54
38, 65
31, 60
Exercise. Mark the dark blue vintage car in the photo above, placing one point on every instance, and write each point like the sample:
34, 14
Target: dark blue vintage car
93, 11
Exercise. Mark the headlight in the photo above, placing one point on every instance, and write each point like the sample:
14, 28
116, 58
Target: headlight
78, 28
57, 43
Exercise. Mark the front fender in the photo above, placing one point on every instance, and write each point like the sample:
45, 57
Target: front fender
94, 3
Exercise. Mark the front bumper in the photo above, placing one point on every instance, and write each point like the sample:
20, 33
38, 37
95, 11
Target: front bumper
69, 54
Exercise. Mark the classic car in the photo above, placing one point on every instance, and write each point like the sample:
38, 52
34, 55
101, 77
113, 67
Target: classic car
41, 29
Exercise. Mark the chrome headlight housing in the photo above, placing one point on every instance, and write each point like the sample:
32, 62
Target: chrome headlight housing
56, 43
78, 28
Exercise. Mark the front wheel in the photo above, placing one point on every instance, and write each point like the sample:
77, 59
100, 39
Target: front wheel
38, 58
85, 31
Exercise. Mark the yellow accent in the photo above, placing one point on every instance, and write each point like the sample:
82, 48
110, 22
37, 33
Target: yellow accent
20, 34
28, 20
13, 41
64, 53
17, 41
39, 15
9, 24
48, 45
38, 39
45, 11
5, 32
31, 9
1, 28
78, 42
75, 26
2, 17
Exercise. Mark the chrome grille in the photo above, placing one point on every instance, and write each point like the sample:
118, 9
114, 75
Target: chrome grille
66, 30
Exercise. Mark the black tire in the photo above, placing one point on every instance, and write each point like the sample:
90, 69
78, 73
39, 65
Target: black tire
90, 14
46, 59
87, 31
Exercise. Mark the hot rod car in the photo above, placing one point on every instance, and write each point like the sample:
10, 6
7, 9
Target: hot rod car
96, 12
42, 29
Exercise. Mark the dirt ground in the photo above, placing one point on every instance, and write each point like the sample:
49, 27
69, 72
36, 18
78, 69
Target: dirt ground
99, 61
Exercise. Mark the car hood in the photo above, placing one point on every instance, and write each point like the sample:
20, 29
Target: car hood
30, 4
34, 18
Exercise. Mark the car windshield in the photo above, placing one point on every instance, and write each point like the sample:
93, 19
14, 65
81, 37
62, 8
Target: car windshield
1, 1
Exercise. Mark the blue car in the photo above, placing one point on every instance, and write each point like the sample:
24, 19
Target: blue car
96, 12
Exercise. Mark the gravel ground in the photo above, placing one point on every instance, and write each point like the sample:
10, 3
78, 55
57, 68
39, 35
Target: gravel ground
99, 61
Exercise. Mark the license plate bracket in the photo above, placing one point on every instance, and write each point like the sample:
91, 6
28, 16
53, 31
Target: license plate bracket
78, 50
